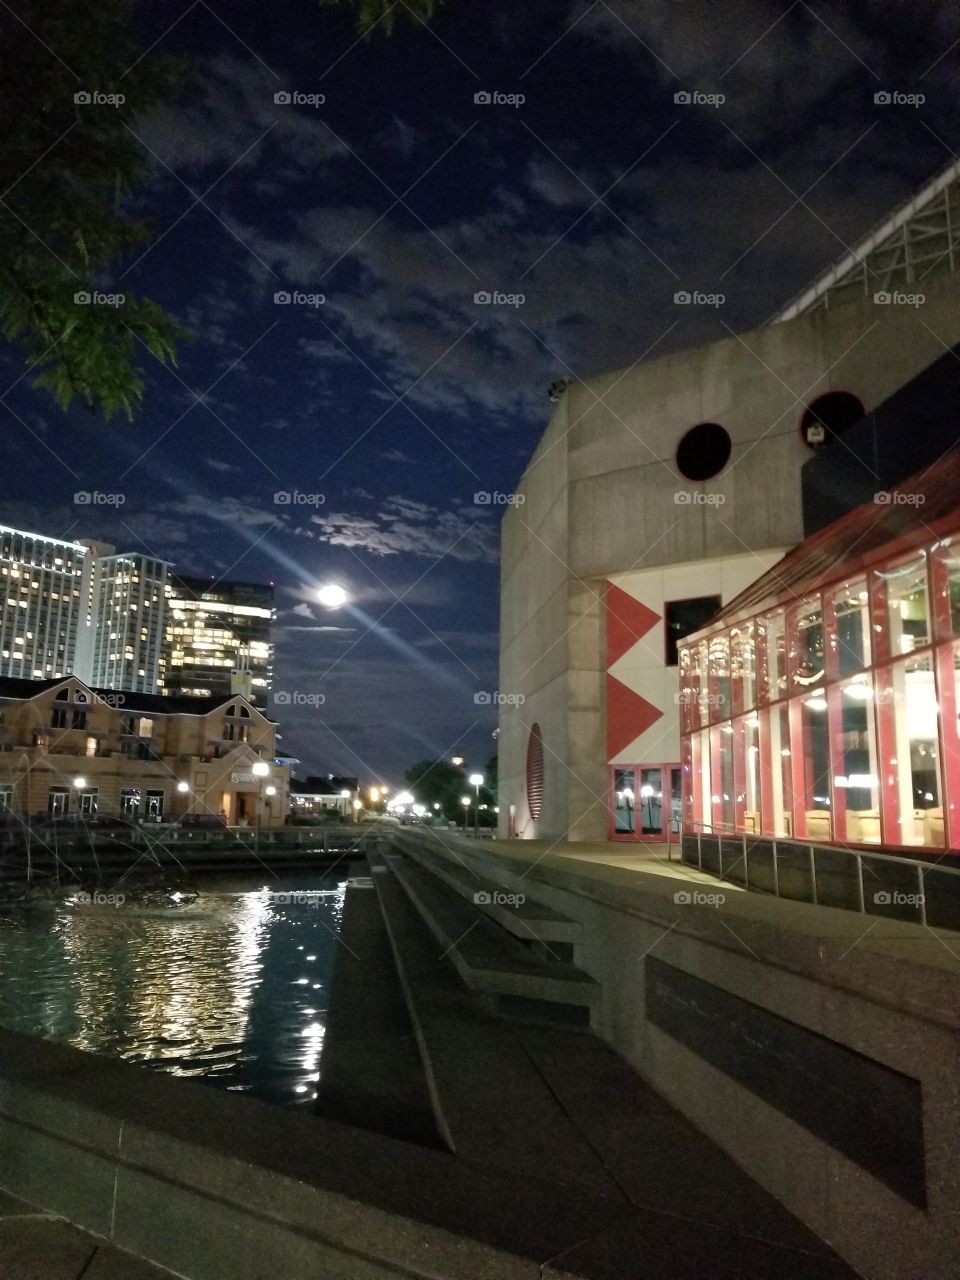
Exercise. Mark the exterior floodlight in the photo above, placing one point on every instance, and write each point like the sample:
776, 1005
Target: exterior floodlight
260, 769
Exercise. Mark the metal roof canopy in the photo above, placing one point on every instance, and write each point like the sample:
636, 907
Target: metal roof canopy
923, 234
870, 533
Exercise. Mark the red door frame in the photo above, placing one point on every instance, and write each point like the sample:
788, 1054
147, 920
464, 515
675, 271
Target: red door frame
666, 808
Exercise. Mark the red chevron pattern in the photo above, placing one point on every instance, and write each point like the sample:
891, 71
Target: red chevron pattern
628, 715
628, 620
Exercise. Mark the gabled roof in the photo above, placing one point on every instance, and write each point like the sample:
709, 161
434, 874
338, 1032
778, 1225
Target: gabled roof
918, 238
15, 687
871, 532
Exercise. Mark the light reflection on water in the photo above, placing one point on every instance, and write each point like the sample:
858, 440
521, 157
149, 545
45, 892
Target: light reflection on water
231, 989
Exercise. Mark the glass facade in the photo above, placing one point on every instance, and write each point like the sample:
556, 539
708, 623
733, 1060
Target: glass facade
217, 639
834, 715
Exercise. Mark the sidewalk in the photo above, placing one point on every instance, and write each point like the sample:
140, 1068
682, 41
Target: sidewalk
39, 1246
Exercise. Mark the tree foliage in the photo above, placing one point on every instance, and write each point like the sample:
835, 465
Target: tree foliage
382, 15
68, 166
440, 782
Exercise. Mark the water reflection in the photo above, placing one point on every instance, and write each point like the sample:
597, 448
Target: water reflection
231, 989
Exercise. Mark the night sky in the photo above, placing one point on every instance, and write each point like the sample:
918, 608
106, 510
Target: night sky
389, 406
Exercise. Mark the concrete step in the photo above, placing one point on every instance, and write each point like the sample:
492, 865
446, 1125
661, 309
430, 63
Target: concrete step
659, 1158
530, 921
492, 1103
371, 1072
491, 961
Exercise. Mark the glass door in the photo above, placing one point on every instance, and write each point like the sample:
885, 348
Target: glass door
624, 813
645, 802
651, 803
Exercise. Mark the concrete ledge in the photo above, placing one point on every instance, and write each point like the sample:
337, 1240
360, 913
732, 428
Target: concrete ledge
891, 962
220, 1187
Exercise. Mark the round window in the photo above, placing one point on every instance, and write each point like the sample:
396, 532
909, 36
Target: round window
704, 451
535, 772
829, 416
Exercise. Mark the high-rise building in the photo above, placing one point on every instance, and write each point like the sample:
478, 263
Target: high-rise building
217, 639
42, 583
123, 621
120, 643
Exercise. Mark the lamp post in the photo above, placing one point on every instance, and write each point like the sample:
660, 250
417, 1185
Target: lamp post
260, 771
24, 759
476, 781
465, 801
344, 796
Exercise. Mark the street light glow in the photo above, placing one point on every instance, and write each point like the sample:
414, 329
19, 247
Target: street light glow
332, 596
260, 769
476, 779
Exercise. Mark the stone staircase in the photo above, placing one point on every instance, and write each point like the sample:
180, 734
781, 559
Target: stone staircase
461, 1020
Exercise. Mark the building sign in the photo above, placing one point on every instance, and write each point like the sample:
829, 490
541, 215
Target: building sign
242, 777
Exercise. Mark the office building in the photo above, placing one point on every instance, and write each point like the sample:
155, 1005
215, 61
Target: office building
217, 639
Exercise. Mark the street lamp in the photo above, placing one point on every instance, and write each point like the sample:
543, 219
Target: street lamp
465, 801
476, 781
260, 770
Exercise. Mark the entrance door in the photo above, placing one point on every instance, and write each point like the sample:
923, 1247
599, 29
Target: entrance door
645, 802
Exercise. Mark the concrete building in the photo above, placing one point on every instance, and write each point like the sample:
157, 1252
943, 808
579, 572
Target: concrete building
41, 579
67, 748
217, 639
658, 493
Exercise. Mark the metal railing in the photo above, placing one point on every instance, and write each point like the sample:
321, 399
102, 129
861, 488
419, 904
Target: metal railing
746, 842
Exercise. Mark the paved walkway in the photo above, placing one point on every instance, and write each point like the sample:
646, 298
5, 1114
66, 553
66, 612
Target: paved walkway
39, 1246
609, 867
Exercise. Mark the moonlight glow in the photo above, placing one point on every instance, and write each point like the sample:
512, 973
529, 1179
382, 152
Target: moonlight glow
332, 595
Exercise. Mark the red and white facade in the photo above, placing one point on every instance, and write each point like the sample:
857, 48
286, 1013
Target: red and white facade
641, 686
